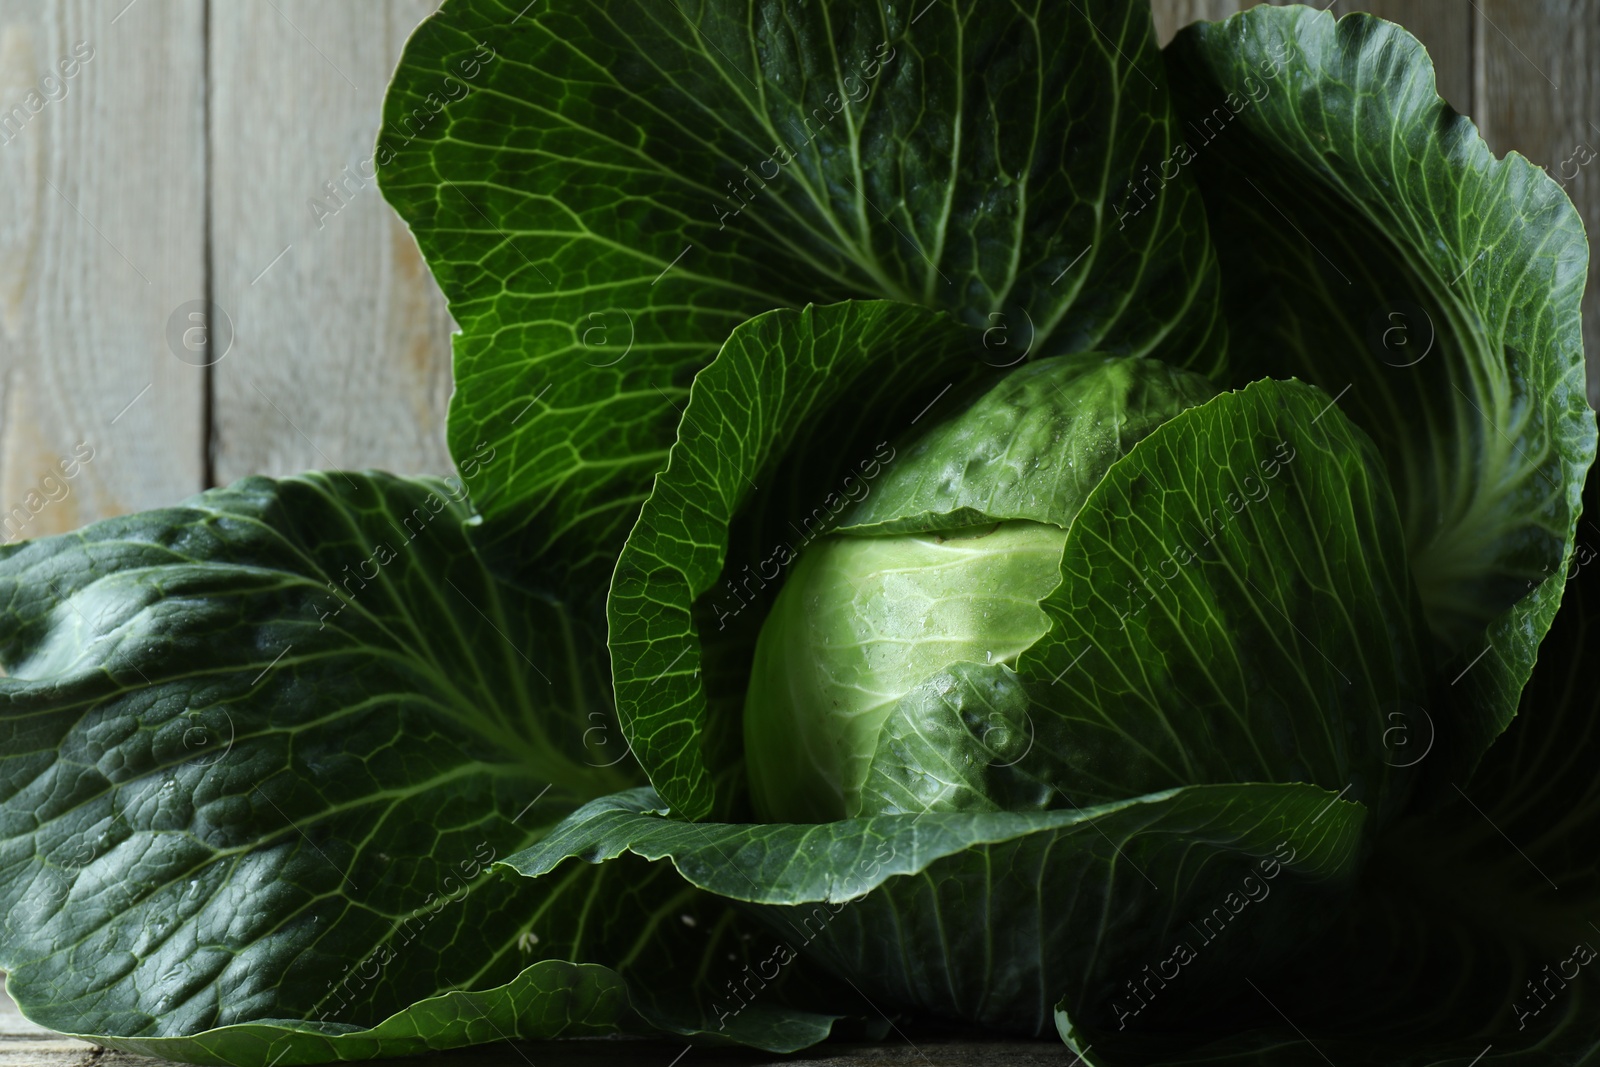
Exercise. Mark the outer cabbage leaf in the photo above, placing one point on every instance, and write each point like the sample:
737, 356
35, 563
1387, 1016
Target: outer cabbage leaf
991, 917
257, 753
1234, 606
605, 188
1378, 249
1474, 936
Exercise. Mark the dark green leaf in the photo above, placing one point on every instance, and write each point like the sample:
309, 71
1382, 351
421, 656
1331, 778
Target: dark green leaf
257, 753
1376, 248
1234, 607
992, 917
605, 188
1474, 936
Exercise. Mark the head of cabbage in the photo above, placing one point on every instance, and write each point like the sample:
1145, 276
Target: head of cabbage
943, 563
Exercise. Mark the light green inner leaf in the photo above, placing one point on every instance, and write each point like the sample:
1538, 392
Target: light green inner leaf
860, 622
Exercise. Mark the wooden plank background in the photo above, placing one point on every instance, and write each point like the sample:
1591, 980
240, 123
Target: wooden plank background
221, 153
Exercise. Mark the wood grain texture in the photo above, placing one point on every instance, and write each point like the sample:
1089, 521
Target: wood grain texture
102, 156
22, 1044
1446, 30
341, 353
1173, 15
1539, 94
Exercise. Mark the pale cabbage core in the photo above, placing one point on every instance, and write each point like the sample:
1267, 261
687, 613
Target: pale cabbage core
857, 625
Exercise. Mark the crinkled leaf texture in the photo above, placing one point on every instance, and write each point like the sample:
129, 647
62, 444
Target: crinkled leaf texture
605, 188
257, 754
1378, 249
1033, 447
993, 917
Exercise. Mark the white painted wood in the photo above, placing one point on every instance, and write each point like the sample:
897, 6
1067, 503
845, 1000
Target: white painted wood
341, 347
102, 183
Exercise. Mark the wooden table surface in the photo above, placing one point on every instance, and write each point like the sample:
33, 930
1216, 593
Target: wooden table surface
22, 1044
217, 147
